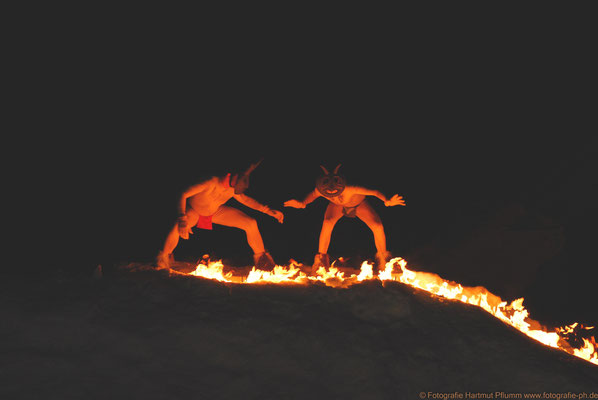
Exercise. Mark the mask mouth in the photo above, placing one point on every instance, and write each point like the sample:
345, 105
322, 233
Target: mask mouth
331, 185
331, 193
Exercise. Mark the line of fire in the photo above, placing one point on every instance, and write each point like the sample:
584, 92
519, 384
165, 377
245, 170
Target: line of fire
513, 313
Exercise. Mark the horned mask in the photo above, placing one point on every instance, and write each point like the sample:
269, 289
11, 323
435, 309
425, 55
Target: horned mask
241, 181
331, 184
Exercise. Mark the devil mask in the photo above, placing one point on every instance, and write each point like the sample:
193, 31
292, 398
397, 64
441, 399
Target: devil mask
331, 184
241, 181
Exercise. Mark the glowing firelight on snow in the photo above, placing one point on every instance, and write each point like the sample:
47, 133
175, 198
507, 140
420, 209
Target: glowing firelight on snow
513, 314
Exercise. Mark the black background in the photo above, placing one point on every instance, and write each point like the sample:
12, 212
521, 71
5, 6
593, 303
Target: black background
460, 120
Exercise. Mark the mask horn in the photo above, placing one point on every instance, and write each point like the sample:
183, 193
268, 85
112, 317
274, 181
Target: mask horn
325, 170
336, 169
253, 166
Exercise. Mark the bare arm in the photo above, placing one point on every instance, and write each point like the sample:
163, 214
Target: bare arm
311, 196
189, 192
395, 200
256, 205
314, 194
369, 192
185, 230
251, 203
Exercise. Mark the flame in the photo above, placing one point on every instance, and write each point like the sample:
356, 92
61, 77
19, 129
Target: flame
279, 274
513, 314
214, 270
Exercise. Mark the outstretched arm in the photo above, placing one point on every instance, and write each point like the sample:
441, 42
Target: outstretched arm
256, 205
395, 200
301, 204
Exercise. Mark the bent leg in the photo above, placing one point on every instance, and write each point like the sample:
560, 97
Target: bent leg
333, 213
366, 213
229, 216
172, 239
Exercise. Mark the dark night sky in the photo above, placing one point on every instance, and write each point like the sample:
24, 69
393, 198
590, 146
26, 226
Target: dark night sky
459, 124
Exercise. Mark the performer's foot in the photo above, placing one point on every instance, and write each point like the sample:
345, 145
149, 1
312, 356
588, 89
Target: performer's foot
382, 257
263, 261
321, 260
164, 261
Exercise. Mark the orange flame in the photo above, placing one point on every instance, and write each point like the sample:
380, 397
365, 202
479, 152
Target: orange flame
513, 314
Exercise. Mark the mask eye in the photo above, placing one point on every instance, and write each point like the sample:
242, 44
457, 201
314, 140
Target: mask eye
337, 180
326, 181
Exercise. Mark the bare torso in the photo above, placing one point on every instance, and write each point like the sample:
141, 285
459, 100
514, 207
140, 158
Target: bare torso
213, 195
349, 198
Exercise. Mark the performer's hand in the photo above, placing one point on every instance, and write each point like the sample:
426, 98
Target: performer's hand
395, 200
294, 203
184, 230
277, 214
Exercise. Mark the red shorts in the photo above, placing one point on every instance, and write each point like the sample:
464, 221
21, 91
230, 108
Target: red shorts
204, 222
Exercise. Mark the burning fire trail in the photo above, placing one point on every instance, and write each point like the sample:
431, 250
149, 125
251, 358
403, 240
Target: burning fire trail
513, 314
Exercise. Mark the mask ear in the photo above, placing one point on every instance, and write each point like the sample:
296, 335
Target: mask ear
325, 170
336, 169
253, 166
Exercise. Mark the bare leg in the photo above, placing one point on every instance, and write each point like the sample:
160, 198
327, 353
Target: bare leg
172, 239
366, 213
332, 215
232, 217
